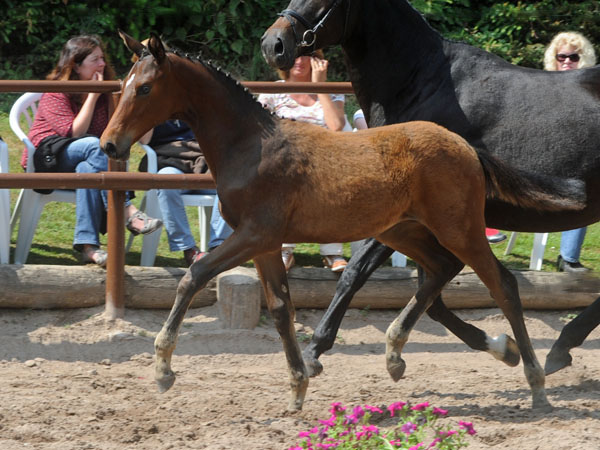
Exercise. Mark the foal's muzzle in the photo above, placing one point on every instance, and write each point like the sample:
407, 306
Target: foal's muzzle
113, 152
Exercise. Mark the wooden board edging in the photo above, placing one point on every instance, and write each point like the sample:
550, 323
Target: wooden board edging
52, 286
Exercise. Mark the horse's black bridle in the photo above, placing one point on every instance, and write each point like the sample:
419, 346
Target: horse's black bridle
309, 37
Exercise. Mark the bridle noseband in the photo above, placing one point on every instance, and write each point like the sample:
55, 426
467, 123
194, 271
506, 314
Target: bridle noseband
309, 37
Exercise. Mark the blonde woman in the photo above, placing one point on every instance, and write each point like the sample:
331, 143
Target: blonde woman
568, 51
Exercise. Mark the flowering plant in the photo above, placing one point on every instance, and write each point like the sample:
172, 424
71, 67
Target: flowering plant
417, 429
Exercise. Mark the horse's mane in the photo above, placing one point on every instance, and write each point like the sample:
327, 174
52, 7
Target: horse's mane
233, 85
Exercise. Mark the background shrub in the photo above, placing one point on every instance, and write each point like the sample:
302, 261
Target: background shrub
228, 31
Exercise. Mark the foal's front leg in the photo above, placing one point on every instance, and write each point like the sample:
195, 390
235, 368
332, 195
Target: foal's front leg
272, 274
234, 251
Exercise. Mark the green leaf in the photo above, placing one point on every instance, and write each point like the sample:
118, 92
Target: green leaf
237, 46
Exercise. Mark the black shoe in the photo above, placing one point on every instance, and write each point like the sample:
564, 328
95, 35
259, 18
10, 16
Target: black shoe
566, 266
496, 238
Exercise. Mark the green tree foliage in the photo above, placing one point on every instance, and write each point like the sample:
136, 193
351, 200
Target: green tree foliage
517, 31
228, 31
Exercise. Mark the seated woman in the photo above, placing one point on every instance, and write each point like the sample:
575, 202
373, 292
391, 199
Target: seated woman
66, 130
324, 110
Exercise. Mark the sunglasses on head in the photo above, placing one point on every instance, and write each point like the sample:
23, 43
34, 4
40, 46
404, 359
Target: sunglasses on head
561, 57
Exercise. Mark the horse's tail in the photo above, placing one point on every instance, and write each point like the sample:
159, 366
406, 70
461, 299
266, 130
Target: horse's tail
529, 190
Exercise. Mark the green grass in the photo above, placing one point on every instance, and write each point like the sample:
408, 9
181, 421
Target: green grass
52, 243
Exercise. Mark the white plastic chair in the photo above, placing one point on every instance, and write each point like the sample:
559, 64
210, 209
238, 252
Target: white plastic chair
4, 208
29, 204
149, 205
537, 253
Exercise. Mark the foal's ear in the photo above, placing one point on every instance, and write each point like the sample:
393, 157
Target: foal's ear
157, 48
133, 45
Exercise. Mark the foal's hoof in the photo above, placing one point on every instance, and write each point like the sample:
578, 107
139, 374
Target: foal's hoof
165, 381
557, 359
542, 404
313, 365
505, 349
396, 367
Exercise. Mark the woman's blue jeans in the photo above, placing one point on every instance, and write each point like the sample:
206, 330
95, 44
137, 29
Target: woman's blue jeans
175, 218
570, 244
84, 156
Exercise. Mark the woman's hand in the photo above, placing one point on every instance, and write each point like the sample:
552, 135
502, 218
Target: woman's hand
319, 69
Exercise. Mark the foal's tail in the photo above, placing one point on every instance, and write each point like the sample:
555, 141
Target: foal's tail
529, 190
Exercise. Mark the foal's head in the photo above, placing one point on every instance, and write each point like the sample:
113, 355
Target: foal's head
147, 98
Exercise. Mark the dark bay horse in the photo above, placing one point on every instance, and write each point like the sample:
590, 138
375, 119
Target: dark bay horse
401, 70
423, 187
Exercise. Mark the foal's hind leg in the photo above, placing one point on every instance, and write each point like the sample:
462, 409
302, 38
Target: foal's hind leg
475, 251
440, 265
503, 347
272, 274
369, 257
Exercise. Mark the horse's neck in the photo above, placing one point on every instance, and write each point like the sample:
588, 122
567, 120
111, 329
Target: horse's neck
223, 117
392, 36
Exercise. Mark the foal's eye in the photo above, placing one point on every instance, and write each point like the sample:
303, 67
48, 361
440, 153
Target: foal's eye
144, 89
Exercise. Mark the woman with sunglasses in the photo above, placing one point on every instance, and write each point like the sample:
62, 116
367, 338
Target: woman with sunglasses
567, 51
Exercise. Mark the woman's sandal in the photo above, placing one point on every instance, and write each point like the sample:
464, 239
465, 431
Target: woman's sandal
194, 256
100, 257
150, 224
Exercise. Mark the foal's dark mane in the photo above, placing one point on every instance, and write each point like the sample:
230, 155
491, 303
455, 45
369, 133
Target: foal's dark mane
236, 89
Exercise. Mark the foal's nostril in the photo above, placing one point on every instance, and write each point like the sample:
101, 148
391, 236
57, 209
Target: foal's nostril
110, 149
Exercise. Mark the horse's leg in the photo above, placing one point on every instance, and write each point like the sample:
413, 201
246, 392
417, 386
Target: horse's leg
474, 250
272, 274
439, 264
369, 256
234, 251
572, 335
503, 347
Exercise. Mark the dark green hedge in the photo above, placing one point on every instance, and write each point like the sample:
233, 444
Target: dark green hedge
228, 31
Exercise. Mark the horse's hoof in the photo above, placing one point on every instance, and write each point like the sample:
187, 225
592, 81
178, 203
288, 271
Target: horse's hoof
165, 382
542, 404
396, 368
512, 355
557, 359
505, 349
295, 406
313, 365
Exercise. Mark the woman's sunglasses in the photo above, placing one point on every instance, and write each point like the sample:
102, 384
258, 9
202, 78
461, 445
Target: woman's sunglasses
561, 57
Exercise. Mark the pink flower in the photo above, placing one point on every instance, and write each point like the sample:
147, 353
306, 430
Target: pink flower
357, 413
468, 426
445, 434
329, 422
336, 407
397, 406
420, 406
368, 431
416, 447
434, 442
439, 412
373, 409
371, 429
408, 428
309, 432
